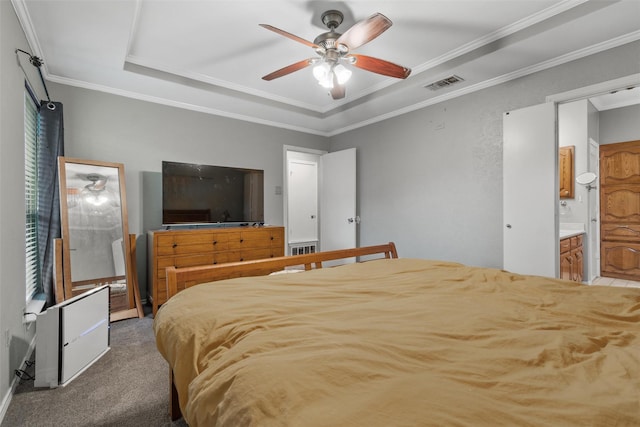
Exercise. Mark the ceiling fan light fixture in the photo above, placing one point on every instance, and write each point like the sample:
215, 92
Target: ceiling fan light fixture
326, 83
343, 74
323, 73
333, 48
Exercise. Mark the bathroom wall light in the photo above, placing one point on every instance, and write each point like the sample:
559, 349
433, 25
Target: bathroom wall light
586, 179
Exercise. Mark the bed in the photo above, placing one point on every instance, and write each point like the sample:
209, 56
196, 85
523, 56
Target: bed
396, 342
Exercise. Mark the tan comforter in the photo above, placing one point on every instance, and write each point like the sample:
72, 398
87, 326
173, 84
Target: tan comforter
404, 342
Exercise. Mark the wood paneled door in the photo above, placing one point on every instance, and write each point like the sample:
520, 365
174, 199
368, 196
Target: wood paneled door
620, 210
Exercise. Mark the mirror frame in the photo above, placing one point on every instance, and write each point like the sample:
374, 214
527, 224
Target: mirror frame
135, 309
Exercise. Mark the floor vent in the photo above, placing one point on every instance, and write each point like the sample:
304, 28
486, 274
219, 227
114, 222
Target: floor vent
303, 248
451, 80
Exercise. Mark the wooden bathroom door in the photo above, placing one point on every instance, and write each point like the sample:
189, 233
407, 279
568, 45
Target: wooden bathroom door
620, 210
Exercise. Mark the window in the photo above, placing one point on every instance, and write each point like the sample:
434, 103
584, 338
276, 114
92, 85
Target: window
31, 196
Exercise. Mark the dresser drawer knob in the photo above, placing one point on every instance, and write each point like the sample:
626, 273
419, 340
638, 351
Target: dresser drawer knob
241, 240
175, 245
215, 242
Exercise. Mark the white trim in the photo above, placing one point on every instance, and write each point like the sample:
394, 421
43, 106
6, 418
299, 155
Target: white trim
562, 6
285, 183
563, 59
182, 105
6, 400
34, 307
28, 28
500, 33
595, 90
202, 78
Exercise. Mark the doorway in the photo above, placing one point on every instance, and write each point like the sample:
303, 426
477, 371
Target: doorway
319, 200
549, 231
301, 199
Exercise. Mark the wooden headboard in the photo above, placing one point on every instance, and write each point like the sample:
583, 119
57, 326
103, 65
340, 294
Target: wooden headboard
181, 278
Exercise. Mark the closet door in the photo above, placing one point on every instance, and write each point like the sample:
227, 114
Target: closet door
530, 191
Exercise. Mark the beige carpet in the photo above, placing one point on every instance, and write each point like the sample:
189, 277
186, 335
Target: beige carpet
128, 386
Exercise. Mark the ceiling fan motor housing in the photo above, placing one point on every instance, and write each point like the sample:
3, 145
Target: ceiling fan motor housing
332, 19
327, 40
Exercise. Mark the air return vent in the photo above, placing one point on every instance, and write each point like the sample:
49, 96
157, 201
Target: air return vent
303, 248
446, 82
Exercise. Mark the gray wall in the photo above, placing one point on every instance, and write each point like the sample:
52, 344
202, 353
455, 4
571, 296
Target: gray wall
101, 126
620, 124
438, 192
12, 214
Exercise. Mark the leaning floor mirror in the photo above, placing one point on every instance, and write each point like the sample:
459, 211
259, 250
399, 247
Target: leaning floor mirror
96, 246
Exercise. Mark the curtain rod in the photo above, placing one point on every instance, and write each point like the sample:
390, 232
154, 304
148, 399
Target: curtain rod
36, 62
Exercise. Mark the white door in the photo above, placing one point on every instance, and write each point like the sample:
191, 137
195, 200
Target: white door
593, 230
530, 191
338, 219
302, 209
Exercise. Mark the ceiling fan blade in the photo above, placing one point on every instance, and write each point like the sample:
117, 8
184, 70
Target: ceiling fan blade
338, 91
289, 35
380, 66
288, 69
364, 31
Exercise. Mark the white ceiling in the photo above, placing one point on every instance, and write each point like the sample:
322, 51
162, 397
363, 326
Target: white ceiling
210, 55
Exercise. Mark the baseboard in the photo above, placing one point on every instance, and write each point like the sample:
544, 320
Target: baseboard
6, 400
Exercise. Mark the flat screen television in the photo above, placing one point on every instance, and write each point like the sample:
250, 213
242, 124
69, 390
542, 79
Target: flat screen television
207, 194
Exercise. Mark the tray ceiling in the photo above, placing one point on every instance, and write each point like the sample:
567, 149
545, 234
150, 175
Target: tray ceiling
209, 56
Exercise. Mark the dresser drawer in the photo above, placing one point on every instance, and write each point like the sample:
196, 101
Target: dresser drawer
260, 253
190, 261
188, 248
182, 261
191, 244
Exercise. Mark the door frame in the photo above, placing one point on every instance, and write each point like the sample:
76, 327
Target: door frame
285, 180
593, 269
595, 90
587, 92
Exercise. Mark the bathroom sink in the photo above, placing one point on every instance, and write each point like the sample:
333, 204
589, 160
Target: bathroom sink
570, 229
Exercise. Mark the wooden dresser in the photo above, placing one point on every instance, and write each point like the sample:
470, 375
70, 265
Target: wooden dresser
186, 248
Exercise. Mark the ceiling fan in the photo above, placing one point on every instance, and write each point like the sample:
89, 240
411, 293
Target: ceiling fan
334, 49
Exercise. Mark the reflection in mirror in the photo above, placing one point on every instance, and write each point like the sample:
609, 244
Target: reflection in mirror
96, 246
565, 171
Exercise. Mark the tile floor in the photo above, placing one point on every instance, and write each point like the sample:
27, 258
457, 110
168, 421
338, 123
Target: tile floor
611, 281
